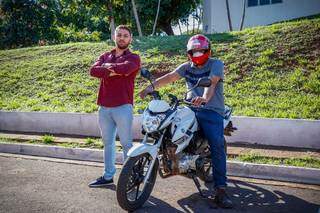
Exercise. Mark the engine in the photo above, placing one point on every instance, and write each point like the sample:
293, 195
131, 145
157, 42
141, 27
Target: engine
190, 159
177, 164
180, 164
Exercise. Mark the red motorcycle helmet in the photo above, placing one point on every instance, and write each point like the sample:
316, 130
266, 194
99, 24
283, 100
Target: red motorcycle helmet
199, 49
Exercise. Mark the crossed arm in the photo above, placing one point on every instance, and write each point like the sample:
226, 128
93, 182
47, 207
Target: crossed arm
102, 70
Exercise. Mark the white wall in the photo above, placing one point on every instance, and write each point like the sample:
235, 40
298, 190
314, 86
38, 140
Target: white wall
276, 132
216, 20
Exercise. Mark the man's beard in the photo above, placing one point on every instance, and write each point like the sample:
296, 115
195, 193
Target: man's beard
122, 46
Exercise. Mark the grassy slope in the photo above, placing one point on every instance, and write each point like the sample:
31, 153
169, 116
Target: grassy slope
271, 71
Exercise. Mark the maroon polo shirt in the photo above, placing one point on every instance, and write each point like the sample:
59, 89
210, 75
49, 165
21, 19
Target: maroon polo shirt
116, 90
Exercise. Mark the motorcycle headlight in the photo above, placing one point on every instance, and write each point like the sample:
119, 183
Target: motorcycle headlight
151, 123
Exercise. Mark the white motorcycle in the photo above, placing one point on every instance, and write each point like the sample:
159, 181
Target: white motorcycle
173, 144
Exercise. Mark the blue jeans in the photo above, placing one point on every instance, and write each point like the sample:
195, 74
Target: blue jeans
211, 124
114, 120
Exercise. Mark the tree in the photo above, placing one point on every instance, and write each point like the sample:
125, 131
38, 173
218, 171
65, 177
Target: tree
24, 22
155, 21
179, 28
228, 13
243, 14
136, 17
111, 19
27, 22
170, 13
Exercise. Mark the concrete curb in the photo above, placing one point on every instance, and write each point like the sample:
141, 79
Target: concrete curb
274, 172
252, 130
94, 155
239, 169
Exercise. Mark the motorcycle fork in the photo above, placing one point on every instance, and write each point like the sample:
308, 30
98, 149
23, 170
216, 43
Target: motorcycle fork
154, 158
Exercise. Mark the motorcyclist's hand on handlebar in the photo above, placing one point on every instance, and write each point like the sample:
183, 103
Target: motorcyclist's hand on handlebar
145, 92
197, 101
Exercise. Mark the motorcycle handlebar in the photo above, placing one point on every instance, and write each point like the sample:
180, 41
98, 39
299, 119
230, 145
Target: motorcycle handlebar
190, 103
174, 100
187, 102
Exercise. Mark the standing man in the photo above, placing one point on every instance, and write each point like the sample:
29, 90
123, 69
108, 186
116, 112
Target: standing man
210, 116
116, 70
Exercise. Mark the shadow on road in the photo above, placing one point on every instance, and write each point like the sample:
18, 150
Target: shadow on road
246, 197
152, 205
156, 205
251, 198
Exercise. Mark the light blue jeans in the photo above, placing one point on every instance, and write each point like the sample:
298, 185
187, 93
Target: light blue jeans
114, 120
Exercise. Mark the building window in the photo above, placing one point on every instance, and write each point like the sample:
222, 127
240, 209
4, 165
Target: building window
264, 2
252, 3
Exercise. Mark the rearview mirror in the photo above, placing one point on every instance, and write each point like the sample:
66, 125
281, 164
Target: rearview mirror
145, 73
204, 82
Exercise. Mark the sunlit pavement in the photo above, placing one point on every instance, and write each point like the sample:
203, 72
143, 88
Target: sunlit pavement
33, 184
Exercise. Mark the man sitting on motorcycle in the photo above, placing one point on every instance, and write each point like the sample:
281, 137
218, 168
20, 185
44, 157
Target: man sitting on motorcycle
208, 105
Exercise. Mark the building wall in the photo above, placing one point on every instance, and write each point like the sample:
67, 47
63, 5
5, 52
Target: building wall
216, 20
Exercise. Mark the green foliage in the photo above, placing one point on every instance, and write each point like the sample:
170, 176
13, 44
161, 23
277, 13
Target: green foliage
277, 77
28, 23
88, 16
70, 34
24, 22
300, 162
171, 11
93, 143
308, 161
47, 139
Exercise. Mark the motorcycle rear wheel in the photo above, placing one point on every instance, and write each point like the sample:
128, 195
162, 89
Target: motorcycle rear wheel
130, 183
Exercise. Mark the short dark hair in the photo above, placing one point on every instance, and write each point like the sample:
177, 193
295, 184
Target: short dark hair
123, 27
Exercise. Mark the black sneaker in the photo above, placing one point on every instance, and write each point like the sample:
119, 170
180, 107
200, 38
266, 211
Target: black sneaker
100, 182
222, 199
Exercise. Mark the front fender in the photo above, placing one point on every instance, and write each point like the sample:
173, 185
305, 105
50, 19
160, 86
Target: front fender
142, 148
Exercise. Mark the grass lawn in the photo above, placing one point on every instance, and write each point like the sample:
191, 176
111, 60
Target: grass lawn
90, 143
271, 71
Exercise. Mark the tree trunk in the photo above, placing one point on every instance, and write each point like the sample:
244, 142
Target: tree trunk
187, 26
136, 17
156, 20
243, 14
193, 24
228, 13
167, 28
111, 20
179, 27
199, 18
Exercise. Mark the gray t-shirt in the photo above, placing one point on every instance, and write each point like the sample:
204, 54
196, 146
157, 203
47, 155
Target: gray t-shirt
192, 74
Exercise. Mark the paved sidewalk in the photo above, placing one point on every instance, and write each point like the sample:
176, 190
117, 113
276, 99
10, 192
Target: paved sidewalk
31, 184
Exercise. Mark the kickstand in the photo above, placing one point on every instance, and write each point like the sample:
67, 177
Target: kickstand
210, 201
196, 182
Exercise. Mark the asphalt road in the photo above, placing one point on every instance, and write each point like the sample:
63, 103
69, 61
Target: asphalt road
33, 184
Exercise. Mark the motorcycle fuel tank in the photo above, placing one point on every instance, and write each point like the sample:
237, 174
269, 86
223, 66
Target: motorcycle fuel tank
157, 106
184, 120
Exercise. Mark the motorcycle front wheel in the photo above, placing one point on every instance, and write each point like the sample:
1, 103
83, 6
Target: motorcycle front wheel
131, 192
